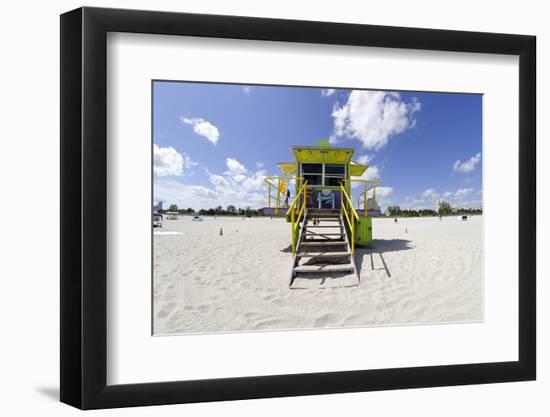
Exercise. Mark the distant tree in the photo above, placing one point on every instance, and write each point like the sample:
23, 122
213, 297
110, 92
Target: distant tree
231, 209
394, 210
173, 207
409, 213
444, 208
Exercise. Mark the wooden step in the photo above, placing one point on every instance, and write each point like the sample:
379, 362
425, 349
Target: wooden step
324, 221
322, 240
323, 216
323, 254
333, 226
324, 243
322, 234
324, 268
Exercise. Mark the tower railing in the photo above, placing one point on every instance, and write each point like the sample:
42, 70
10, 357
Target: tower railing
362, 197
350, 215
296, 211
276, 191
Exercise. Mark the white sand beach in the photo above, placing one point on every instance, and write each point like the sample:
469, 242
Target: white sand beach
417, 271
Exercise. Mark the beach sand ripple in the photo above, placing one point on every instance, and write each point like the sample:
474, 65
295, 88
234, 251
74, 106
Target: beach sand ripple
417, 271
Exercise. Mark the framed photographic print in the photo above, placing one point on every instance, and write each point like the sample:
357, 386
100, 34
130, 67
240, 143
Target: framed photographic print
257, 207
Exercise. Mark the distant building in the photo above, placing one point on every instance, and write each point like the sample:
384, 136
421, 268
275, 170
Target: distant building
372, 210
271, 211
158, 207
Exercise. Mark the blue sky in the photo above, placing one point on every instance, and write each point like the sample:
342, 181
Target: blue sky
214, 143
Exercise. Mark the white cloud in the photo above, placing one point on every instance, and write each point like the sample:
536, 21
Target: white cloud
237, 186
203, 128
239, 177
254, 182
414, 203
430, 194
383, 192
384, 196
364, 159
260, 164
372, 173
203, 191
469, 165
462, 192
219, 181
240, 186
234, 167
430, 197
171, 191
327, 92
168, 161
372, 117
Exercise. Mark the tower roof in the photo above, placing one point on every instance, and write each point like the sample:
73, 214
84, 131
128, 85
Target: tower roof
323, 153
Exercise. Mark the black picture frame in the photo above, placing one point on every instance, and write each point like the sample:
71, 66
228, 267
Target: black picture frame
84, 207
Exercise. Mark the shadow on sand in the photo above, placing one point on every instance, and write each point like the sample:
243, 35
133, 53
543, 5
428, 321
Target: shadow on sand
377, 248
288, 249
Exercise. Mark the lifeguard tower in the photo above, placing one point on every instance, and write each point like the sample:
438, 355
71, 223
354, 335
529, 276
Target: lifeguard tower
325, 225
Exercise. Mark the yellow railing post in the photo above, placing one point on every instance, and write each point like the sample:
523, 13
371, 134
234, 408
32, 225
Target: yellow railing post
295, 220
351, 218
293, 232
278, 195
365, 201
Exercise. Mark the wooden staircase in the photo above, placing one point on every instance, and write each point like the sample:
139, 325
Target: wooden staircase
323, 250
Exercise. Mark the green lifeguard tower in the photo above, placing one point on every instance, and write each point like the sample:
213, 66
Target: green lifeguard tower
325, 225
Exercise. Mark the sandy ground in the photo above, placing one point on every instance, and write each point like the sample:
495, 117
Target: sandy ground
416, 271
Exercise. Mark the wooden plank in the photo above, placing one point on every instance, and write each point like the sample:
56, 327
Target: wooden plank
323, 254
324, 268
324, 243
322, 234
322, 216
336, 226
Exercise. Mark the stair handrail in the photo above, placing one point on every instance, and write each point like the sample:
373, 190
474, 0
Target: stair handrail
295, 220
346, 206
277, 187
348, 201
